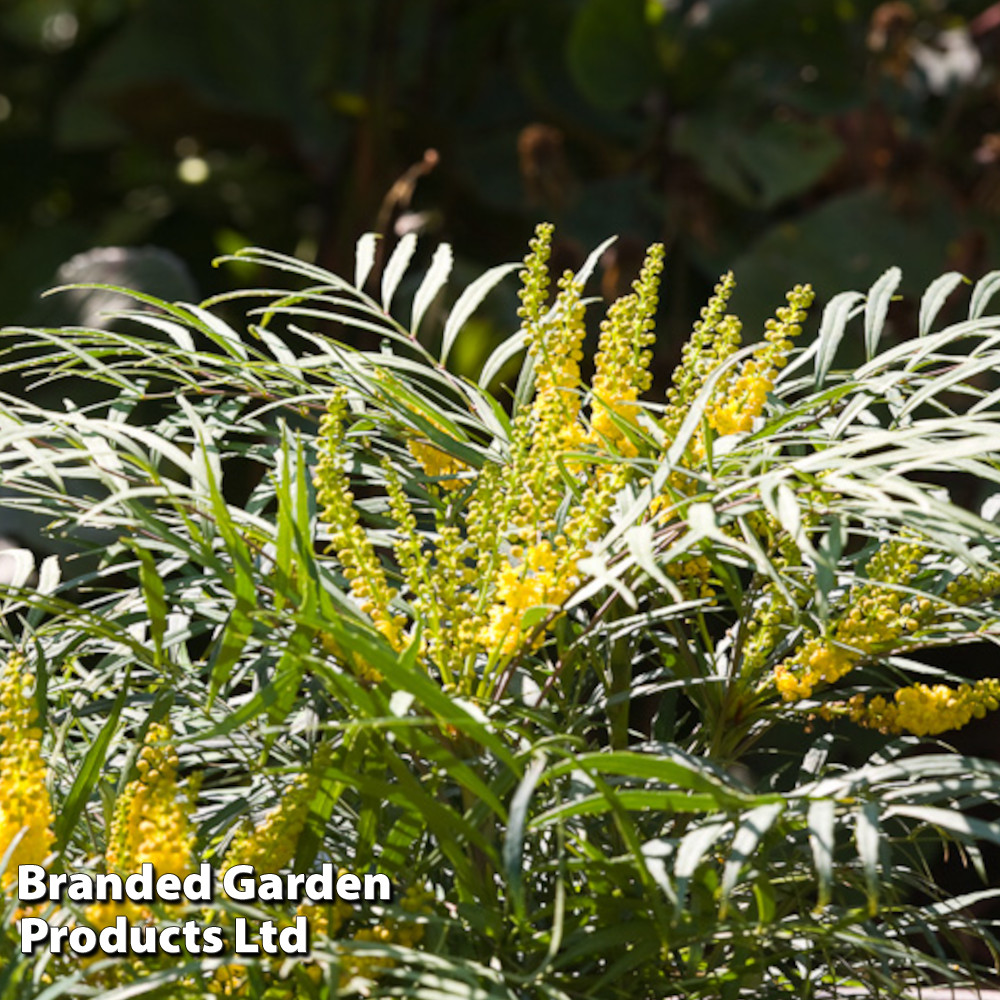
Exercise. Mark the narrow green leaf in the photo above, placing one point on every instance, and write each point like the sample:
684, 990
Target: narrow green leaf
593, 258
19, 565
753, 826
934, 298
820, 823
694, 774
631, 799
49, 578
513, 845
365, 642
241, 583
396, 268
450, 828
397, 857
89, 771
691, 852
276, 346
952, 820
262, 702
986, 287
179, 334
285, 540
867, 833
510, 348
434, 281
642, 548
293, 663
877, 308
364, 258
156, 604
222, 333
467, 303
839, 311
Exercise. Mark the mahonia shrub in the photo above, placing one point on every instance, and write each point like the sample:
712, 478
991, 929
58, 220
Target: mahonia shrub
623, 686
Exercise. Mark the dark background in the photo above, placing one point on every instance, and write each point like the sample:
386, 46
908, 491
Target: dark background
791, 140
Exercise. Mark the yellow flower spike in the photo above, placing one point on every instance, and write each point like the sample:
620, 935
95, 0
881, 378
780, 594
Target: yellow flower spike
882, 616
152, 823
272, 843
449, 472
407, 933
693, 577
926, 710
25, 807
326, 919
968, 589
349, 540
544, 576
742, 396
551, 426
715, 337
535, 276
437, 586
544, 572
556, 346
623, 356
413, 561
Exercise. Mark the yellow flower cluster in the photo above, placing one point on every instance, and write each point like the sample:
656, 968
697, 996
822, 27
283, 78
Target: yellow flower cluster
151, 824
512, 542
881, 614
623, 355
349, 540
544, 576
437, 463
693, 575
516, 505
745, 394
926, 710
271, 844
557, 347
550, 428
744, 402
968, 589
405, 933
715, 337
765, 627
326, 919
819, 661
25, 807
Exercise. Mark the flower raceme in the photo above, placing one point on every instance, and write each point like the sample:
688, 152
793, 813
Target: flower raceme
25, 808
511, 532
744, 394
544, 576
271, 844
621, 365
884, 612
151, 823
480, 559
926, 710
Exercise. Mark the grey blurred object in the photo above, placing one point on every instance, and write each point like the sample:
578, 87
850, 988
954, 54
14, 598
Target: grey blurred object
151, 270
16, 566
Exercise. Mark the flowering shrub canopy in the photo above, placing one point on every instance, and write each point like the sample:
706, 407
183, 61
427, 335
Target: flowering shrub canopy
531, 651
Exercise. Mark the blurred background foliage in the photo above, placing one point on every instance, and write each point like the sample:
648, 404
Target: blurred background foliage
789, 140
